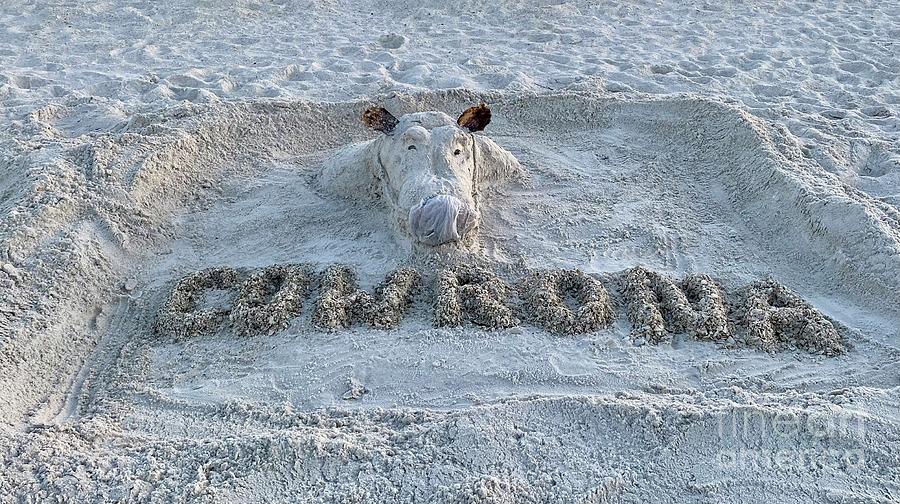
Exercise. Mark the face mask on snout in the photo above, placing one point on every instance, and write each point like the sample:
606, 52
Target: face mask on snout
441, 219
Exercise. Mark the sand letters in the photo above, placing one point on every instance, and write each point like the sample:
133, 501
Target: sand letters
764, 314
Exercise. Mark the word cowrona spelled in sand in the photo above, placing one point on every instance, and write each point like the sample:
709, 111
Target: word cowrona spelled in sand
764, 314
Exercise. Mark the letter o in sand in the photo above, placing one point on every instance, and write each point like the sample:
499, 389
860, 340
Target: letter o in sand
544, 294
270, 298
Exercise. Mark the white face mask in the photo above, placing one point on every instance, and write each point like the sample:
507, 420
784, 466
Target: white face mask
440, 219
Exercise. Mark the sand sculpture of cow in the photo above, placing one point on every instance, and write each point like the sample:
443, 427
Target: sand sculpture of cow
428, 170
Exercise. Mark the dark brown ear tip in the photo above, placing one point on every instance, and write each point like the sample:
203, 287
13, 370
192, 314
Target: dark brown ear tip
475, 118
379, 119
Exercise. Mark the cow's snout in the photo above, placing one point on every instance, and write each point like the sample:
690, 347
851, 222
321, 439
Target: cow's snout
441, 219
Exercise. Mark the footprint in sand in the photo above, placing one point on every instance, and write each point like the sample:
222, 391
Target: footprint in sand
391, 40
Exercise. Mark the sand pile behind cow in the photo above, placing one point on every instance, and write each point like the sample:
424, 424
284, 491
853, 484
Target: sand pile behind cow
692, 190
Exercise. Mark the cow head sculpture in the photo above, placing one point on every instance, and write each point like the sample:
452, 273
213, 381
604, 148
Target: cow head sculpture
427, 168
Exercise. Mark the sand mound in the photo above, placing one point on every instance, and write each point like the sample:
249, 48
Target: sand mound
100, 228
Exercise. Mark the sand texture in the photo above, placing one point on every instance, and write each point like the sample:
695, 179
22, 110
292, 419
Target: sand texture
693, 295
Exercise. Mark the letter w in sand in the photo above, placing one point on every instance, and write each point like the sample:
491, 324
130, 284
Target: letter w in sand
341, 302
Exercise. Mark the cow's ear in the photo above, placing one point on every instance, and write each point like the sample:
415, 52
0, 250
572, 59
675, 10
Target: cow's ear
475, 118
379, 119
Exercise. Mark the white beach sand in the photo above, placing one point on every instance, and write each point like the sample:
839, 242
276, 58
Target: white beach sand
146, 141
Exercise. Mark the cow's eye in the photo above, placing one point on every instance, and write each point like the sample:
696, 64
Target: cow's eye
457, 152
411, 147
